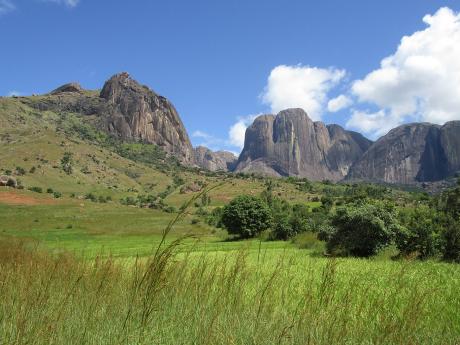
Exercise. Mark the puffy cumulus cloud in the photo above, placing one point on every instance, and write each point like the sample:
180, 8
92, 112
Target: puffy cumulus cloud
420, 81
6, 6
339, 103
300, 87
237, 131
377, 123
235, 139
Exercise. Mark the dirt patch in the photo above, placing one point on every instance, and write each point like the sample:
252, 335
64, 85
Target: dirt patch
14, 198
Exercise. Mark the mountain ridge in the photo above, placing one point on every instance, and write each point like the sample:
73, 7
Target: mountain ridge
286, 144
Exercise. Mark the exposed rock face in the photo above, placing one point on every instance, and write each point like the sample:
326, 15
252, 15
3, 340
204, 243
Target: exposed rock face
136, 113
417, 152
291, 144
71, 87
8, 181
214, 161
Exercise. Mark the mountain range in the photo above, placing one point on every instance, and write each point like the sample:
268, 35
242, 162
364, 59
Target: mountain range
286, 144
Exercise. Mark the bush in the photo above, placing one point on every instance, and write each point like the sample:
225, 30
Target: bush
36, 189
50, 191
57, 195
451, 240
246, 216
67, 162
215, 217
361, 230
91, 197
422, 233
20, 171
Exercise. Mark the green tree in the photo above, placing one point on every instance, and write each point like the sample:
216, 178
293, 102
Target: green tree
451, 240
421, 234
246, 216
362, 230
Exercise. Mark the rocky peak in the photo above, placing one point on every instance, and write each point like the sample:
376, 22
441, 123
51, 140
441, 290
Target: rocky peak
68, 88
214, 161
415, 152
291, 144
136, 113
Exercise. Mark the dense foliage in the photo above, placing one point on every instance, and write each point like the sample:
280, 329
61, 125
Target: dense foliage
246, 216
361, 229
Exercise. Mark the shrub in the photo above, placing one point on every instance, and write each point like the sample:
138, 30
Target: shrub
422, 233
66, 163
246, 216
451, 240
32, 170
50, 191
362, 230
57, 195
36, 189
20, 171
91, 197
215, 217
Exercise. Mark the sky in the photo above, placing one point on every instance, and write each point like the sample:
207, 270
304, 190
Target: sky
366, 65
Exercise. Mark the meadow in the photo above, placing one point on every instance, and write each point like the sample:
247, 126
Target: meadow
245, 296
106, 275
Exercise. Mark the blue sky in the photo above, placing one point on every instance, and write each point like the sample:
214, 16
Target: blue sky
222, 62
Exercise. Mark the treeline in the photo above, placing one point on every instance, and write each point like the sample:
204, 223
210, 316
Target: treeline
361, 221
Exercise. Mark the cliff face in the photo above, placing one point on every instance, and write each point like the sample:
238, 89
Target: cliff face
291, 144
214, 161
417, 152
126, 110
136, 113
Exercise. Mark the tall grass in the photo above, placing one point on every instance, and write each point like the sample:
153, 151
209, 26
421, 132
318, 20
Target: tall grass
220, 298
241, 297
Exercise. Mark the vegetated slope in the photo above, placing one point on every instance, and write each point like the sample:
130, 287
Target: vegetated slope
36, 142
125, 109
105, 175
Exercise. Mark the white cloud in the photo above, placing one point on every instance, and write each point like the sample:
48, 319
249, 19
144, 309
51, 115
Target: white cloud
208, 140
300, 87
378, 123
68, 3
237, 131
420, 81
6, 6
339, 103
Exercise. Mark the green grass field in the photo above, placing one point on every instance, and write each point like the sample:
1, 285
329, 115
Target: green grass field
78, 272
184, 295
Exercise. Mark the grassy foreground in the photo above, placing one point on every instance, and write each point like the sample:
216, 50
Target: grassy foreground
272, 296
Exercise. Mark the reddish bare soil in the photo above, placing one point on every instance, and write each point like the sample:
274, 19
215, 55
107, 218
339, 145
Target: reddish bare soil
15, 198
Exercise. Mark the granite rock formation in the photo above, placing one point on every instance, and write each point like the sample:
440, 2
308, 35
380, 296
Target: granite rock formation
416, 152
70, 87
136, 113
214, 161
291, 144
